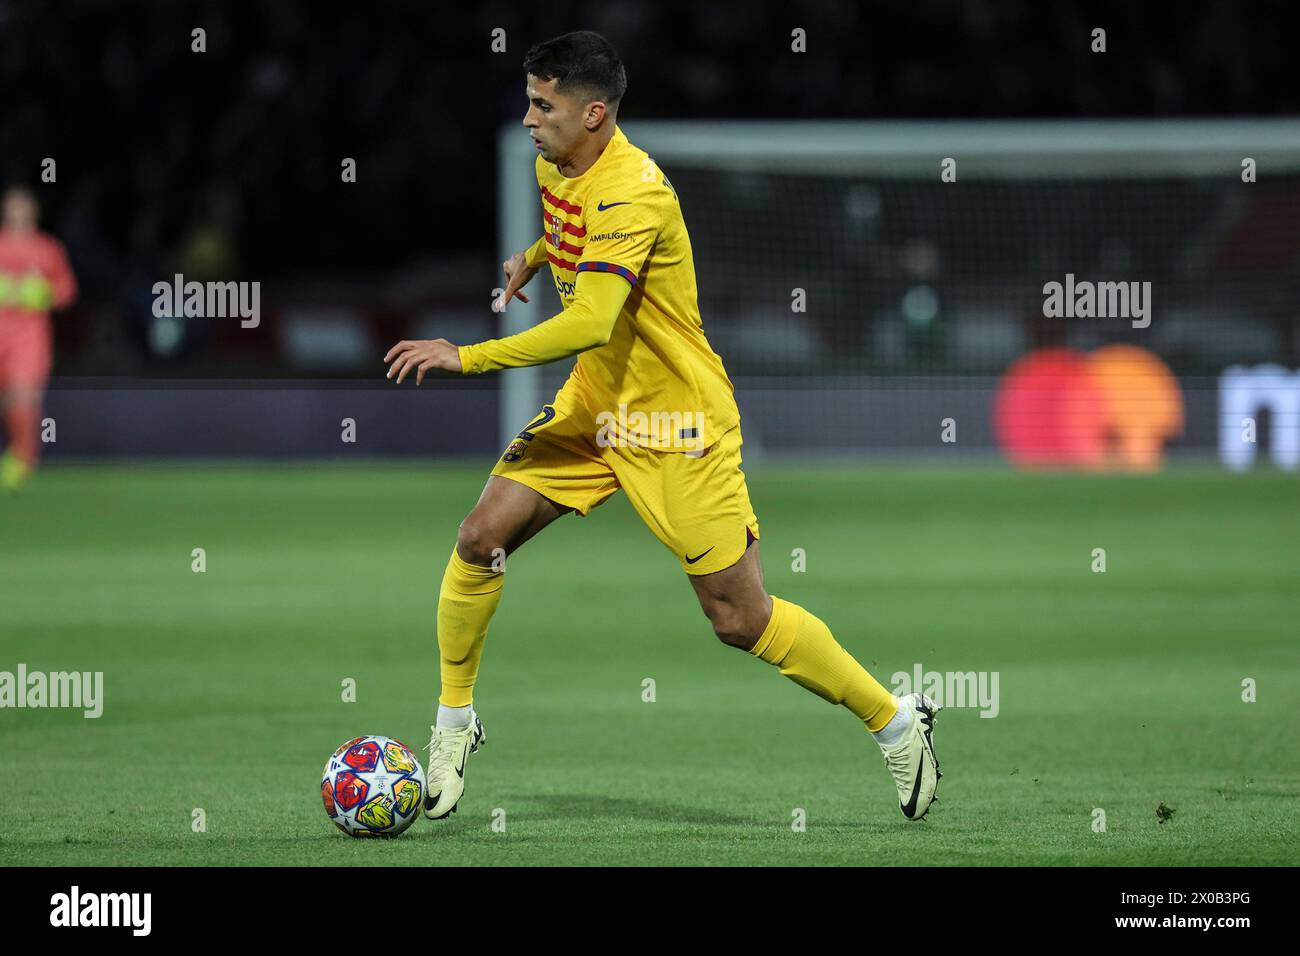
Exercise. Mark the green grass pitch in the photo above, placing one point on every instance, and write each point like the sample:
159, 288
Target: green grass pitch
1120, 691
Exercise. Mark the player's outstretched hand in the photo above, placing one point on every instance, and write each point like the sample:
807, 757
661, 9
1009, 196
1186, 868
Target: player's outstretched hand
422, 355
518, 272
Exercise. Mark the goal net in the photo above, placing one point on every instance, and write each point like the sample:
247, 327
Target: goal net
865, 282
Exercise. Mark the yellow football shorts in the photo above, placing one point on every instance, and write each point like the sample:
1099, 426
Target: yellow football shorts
696, 504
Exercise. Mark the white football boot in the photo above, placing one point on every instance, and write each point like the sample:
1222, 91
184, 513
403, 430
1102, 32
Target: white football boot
449, 748
912, 762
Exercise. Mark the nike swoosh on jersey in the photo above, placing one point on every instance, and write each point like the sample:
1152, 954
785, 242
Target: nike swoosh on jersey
690, 560
601, 206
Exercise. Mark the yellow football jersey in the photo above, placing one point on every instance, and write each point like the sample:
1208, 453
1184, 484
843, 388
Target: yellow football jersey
657, 381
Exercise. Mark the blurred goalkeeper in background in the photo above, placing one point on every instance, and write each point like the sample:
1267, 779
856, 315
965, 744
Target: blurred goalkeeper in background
34, 278
648, 409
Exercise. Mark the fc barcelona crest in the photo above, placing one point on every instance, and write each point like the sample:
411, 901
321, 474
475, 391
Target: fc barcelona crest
516, 450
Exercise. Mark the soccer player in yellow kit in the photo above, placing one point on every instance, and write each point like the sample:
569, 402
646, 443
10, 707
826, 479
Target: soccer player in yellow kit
648, 408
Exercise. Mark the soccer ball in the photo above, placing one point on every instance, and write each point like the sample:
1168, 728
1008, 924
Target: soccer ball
373, 786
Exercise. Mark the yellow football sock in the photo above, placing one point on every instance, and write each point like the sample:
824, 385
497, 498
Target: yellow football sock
804, 649
468, 598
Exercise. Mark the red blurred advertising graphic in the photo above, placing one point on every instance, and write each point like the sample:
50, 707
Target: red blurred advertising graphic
1112, 409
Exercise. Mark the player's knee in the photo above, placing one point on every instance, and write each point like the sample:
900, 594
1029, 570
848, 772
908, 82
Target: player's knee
732, 626
477, 543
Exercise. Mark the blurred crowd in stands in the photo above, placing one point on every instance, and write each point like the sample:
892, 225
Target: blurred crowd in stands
226, 163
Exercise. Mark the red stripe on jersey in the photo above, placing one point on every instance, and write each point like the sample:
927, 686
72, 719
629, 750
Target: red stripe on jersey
560, 204
562, 263
563, 246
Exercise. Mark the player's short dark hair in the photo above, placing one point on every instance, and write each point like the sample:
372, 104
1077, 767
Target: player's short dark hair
583, 62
